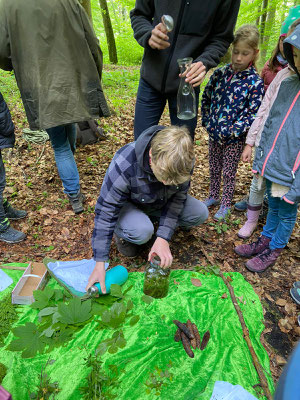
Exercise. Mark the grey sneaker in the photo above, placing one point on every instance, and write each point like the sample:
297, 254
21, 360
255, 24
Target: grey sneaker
211, 202
76, 200
13, 213
242, 204
222, 213
126, 248
11, 235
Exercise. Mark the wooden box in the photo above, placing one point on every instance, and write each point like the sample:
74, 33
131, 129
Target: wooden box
33, 278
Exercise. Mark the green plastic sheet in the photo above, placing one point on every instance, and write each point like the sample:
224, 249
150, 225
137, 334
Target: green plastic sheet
151, 345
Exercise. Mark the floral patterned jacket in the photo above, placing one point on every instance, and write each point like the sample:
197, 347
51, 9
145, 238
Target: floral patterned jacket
230, 102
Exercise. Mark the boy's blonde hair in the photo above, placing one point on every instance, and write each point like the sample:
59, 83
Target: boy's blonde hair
172, 155
250, 35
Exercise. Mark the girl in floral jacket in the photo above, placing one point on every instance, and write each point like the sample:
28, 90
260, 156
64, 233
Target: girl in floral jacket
229, 104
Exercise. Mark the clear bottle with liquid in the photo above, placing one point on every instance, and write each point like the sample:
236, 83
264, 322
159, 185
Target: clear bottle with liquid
186, 98
156, 282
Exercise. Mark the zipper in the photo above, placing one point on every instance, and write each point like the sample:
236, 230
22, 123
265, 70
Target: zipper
279, 130
163, 84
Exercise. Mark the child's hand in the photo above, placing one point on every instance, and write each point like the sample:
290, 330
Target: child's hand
98, 275
162, 249
159, 38
247, 153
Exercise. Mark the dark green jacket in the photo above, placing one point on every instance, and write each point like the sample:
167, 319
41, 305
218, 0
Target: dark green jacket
53, 50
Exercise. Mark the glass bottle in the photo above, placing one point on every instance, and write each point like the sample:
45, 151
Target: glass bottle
156, 282
186, 99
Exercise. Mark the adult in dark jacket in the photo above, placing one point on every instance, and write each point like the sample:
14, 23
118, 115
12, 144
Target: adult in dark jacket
55, 54
202, 30
7, 140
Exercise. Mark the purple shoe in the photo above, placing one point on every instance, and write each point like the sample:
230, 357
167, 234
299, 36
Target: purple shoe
222, 213
249, 250
263, 260
211, 202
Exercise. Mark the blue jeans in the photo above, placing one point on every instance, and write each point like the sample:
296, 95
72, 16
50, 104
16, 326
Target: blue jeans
150, 105
2, 186
63, 140
281, 220
135, 226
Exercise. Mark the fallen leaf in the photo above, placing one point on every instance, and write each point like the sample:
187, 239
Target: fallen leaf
280, 360
281, 302
175, 282
196, 282
224, 296
269, 297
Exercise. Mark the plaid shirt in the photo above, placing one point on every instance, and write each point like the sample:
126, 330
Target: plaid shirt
127, 180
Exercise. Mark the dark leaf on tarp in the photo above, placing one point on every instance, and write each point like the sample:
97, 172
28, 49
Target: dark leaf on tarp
101, 349
75, 312
147, 299
135, 319
196, 282
116, 291
129, 305
47, 311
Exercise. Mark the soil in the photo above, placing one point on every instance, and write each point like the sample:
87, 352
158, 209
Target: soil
54, 231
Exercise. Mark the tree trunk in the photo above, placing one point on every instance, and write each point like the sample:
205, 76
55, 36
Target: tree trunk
258, 15
268, 28
86, 4
263, 20
111, 44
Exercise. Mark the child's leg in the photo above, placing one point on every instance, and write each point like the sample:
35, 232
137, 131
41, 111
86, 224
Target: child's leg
232, 155
280, 222
215, 168
256, 194
3, 220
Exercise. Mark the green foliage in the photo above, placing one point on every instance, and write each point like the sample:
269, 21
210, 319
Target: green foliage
46, 390
158, 379
29, 340
224, 225
8, 316
113, 344
208, 269
3, 371
99, 384
147, 299
75, 312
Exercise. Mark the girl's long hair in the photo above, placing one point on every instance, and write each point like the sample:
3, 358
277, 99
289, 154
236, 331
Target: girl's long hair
273, 62
249, 34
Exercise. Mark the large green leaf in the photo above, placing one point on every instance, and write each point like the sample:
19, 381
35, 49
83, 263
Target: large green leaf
42, 298
75, 312
29, 340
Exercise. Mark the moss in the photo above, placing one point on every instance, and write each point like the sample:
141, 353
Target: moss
3, 371
8, 316
156, 286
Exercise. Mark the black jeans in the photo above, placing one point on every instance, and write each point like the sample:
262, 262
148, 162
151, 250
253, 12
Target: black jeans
2, 186
150, 105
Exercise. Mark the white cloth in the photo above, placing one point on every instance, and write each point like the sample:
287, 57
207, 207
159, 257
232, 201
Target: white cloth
5, 280
227, 391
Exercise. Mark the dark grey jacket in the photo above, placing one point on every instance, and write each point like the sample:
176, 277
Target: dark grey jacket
203, 30
278, 154
7, 135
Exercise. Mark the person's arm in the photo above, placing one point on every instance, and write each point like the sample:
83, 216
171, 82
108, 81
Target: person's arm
293, 195
141, 21
242, 125
221, 34
5, 54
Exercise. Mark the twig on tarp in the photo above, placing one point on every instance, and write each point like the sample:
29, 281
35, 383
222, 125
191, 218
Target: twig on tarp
256, 363
12, 267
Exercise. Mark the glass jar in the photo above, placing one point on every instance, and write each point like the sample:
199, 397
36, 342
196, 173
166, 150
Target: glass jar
156, 282
186, 98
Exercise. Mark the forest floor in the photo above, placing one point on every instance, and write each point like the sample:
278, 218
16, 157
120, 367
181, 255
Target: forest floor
54, 231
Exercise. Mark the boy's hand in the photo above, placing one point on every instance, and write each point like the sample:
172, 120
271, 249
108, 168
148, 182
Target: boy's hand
162, 249
247, 153
98, 275
195, 75
159, 38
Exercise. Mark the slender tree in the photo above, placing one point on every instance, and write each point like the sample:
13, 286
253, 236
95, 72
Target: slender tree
111, 44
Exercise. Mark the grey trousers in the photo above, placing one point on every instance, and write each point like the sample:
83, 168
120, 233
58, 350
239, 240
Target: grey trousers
136, 227
2, 186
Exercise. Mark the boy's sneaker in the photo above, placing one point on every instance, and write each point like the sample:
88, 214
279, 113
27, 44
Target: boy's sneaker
222, 213
263, 260
11, 235
13, 213
126, 248
211, 202
249, 250
76, 200
295, 293
242, 204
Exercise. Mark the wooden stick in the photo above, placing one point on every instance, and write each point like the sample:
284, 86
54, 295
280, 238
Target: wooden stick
12, 267
257, 365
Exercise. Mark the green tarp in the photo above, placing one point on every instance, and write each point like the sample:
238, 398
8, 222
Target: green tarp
150, 343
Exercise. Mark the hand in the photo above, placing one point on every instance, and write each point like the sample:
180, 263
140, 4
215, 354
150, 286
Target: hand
195, 75
247, 153
98, 275
159, 38
162, 249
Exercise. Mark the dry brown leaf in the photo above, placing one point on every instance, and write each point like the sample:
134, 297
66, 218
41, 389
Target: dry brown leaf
289, 308
280, 360
276, 274
269, 297
224, 296
281, 302
175, 282
196, 282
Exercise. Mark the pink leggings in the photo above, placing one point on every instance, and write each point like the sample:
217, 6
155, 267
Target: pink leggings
223, 157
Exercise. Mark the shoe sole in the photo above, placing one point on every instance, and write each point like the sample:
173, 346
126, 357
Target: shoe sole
294, 297
243, 255
12, 242
243, 237
16, 219
240, 209
259, 272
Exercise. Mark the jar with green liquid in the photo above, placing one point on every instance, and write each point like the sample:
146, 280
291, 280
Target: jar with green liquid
156, 282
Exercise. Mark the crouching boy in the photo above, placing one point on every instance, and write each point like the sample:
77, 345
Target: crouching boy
147, 180
7, 139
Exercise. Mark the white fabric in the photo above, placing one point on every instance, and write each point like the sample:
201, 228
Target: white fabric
5, 280
227, 391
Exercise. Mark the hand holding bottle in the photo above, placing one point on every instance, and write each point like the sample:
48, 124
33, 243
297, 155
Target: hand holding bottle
162, 249
98, 275
159, 39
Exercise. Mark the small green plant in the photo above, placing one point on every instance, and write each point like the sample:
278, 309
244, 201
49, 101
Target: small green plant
46, 389
159, 379
208, 269
8, 316
222, 226
3, 371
